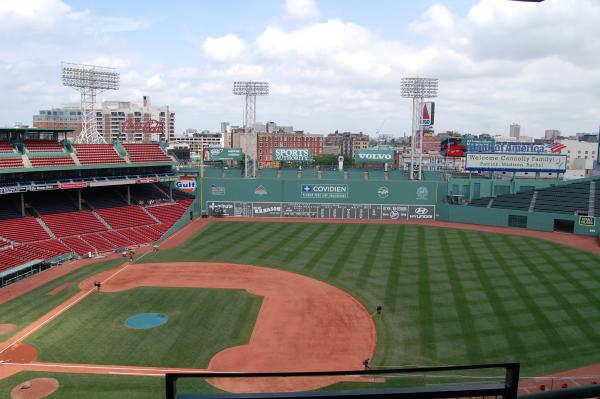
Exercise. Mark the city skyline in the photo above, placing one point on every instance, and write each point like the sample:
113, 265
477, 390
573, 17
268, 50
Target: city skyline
331, 66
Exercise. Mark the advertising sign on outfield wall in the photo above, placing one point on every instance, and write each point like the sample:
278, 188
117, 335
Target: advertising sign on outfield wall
186, 183
292, 154
223, 154
321, 211
324, 191
370, 155
516, 162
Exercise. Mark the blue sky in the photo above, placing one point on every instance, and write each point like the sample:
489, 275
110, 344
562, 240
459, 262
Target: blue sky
332, 64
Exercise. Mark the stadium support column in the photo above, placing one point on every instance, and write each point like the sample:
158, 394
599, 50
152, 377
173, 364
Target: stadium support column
79, 199
171, 191
22, 204
128, 194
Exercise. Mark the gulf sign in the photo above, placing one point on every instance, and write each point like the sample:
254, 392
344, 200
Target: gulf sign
187, 184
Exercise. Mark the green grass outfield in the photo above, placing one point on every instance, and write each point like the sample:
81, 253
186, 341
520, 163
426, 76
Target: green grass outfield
201, 323
27, 308
449, 296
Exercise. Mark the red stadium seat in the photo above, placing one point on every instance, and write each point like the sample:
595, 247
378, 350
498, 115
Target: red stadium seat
146, 153
94, 154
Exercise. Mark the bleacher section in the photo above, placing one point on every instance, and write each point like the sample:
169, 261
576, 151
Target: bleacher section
43, 146
569, 198
6, 163
518, 201
51, 161
146, 153
94, 154
6, 147
572, 198
480, 202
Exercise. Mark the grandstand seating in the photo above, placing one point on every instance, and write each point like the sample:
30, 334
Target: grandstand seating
24, 229
167, 213
79, 246
125, 216
148, 231
11, 163
73, 223
98, 242
118, 239
146, 153
6, 147
93, 154
51, 161
43, 146
80, 231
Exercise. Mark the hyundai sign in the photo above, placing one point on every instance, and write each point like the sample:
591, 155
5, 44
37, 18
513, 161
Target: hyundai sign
516, 162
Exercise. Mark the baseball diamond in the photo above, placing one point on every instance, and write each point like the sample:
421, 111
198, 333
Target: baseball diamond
479, 296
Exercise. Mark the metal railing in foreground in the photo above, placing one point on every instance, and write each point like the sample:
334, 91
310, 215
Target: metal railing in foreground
421, 382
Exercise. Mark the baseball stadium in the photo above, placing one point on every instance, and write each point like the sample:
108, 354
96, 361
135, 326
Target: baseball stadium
126, 274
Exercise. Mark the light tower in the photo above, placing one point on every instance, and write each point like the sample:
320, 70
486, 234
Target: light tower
250, 90
89, 80
418, 89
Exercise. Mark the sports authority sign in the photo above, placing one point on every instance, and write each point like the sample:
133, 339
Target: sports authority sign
374, 156
516, 162
292, 154
324, 191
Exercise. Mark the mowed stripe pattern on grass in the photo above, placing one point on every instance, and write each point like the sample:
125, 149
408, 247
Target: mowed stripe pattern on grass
449, 296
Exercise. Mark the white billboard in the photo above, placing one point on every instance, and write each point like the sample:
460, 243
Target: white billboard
516, 162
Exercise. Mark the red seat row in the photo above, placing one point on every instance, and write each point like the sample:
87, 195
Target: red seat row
73, 223
43, 146
6, 147
11, 163
90, 154
22, 229
51, 161
146, 153
122, 217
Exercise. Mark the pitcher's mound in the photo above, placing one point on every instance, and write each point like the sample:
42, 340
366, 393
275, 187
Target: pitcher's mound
6, 328
37, 388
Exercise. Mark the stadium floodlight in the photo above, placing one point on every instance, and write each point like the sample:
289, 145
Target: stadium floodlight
89, 80
418, 89
250, 90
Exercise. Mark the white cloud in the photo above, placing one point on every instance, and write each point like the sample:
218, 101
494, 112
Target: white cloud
226, 48
155, 81
300, 9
